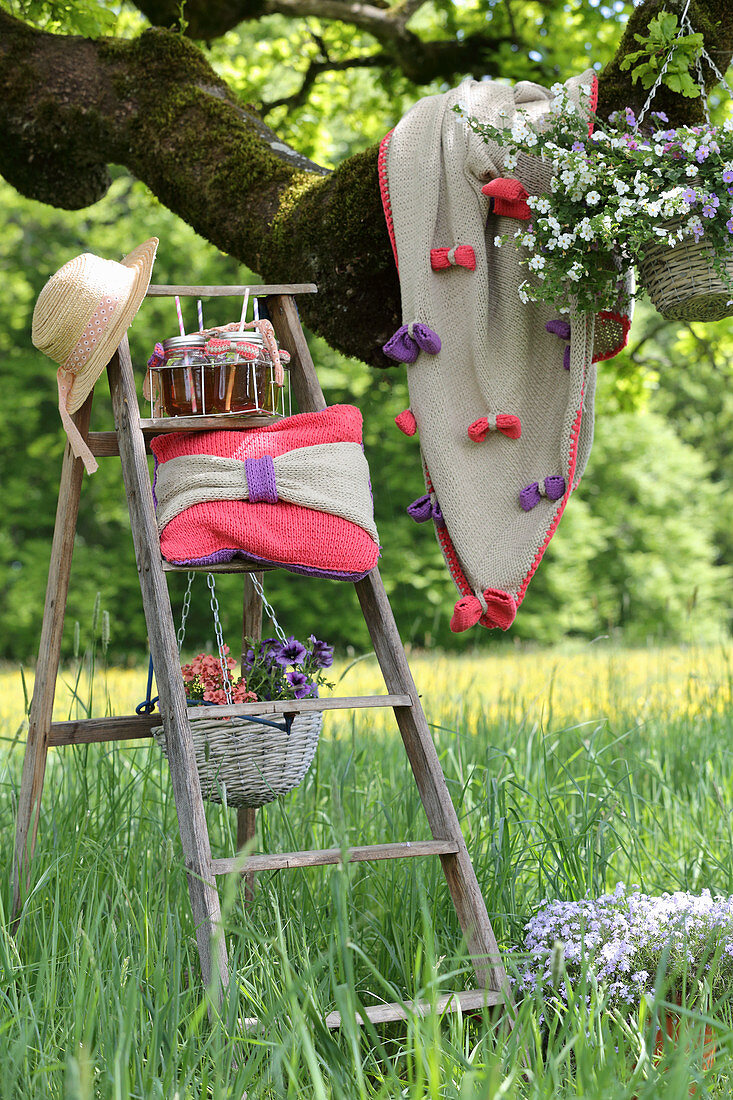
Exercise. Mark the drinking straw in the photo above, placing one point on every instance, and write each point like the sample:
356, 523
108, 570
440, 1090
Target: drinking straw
180, 316
201, 315
245, 303
189, 372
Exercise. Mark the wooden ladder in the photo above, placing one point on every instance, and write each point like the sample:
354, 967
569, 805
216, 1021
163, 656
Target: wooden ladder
130, 442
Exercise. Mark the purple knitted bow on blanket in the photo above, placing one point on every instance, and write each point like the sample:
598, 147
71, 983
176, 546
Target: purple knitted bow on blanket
410, 340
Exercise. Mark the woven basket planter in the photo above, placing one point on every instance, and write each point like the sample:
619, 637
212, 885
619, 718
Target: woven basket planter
254, 763
683, 284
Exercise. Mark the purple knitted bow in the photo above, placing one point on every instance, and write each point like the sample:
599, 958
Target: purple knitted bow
561, 328
425, 508
552, 488
410, 340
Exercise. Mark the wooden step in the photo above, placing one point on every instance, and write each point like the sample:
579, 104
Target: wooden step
164, 290
131, 727
105, 445
301, 706
280, 861
469, 1000
91, 731
236, 566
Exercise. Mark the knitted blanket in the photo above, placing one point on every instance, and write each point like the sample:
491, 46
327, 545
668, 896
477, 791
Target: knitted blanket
504, 411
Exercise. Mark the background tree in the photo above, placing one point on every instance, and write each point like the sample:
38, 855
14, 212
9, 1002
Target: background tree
328, 226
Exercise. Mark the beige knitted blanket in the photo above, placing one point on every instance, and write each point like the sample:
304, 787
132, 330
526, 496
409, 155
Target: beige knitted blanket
496, 358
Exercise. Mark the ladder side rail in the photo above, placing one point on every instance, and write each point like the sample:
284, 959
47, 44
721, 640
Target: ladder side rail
172, 698
49, 656
439, 809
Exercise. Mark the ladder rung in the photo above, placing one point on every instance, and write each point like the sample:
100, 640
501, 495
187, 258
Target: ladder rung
164, 290
105, 445
280, 861
469, 1000
90, 731
301, 706
130, 727
155, 425
237, 566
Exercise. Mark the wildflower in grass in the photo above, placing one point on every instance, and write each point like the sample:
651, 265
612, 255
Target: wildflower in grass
623, 938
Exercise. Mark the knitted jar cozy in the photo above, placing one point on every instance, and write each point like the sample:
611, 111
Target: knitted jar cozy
497, 413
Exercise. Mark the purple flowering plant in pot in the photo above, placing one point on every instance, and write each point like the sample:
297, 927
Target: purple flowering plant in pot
641, 954
286, 669
658, 197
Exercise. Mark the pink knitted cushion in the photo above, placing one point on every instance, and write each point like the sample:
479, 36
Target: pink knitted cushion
298, 538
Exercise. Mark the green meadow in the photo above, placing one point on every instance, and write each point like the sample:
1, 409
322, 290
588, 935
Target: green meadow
572, 769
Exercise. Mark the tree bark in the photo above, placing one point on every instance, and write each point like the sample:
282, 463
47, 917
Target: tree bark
70, 106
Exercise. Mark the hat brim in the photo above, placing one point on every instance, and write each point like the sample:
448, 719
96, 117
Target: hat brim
140, 260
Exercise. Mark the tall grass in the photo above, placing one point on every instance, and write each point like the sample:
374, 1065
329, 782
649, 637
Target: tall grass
593, 767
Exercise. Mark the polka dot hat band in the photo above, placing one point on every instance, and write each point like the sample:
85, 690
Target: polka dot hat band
80, 317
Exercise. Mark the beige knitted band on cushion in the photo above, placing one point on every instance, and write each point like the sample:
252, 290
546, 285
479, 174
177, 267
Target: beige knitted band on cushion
327, 477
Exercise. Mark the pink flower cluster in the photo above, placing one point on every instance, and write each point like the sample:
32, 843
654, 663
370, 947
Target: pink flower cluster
204, 680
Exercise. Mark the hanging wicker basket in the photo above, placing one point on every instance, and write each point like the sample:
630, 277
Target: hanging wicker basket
683, 284
253, 763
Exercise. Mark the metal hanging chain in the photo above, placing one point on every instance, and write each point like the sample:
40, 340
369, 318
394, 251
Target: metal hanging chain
181, 635
268, 608
663, 70
704, 53
687, 27
219, 638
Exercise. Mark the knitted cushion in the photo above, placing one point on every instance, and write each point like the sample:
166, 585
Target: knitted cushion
295, 493
500, 392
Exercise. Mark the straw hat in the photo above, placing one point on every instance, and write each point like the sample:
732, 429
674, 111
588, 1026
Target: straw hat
80, 317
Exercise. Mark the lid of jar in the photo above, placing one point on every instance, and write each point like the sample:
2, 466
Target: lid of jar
184, 342
249, 337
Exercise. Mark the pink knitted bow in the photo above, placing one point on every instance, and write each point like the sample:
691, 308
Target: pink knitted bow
508, 197
461, 255
410, 340
505, 423
406, 422
494, 607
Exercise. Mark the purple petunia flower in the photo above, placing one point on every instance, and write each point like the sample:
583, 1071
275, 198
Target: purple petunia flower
702, 154
630, 116
322, 653
658, 114
578, 146
300, 684
729, 225
269, 649
292, 652
728, 175
708, 211
690, 196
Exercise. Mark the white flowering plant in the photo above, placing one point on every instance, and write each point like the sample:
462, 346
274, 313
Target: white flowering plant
613, 192
627, 941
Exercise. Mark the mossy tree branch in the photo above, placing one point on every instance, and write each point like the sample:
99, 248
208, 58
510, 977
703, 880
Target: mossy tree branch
70, 106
